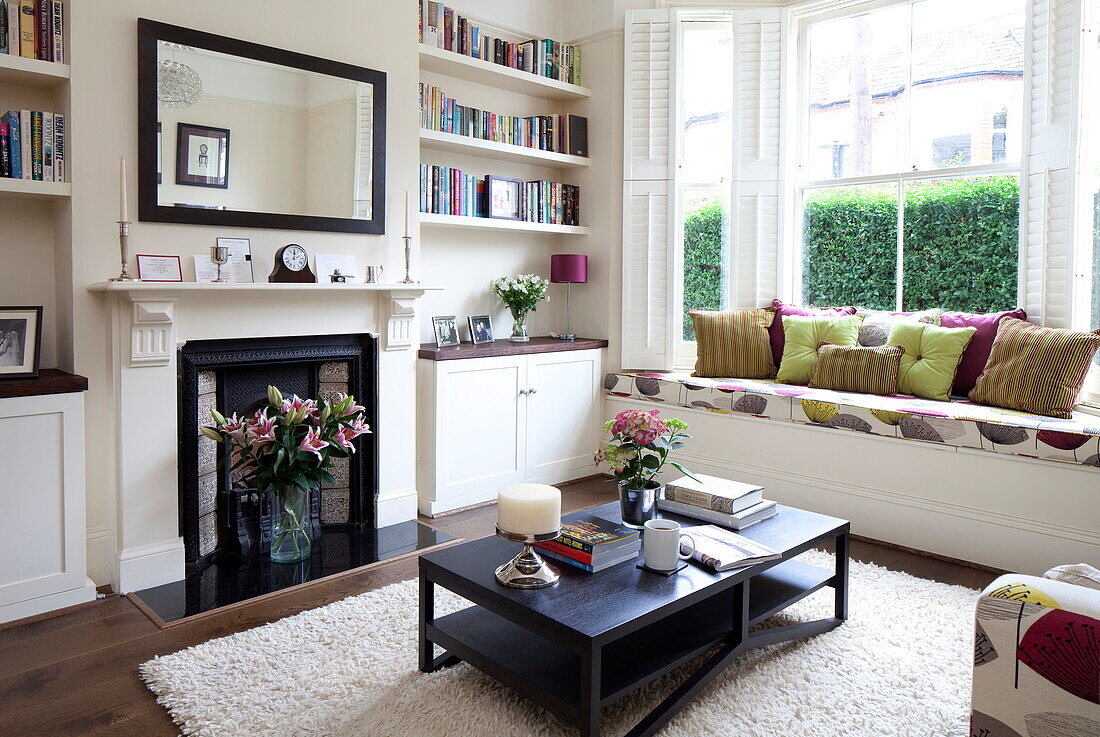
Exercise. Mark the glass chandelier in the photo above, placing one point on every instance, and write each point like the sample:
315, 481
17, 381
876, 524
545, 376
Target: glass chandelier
178, 85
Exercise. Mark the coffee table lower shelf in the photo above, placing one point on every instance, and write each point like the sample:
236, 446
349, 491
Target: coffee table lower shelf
548, 674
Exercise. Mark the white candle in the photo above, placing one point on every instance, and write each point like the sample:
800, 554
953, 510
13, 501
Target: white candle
406, 213
529, 509
122, 209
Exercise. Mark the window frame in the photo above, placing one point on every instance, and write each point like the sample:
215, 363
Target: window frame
797, 186
1087, 155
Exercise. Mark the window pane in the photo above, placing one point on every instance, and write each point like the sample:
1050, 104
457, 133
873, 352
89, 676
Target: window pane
707, 101
857, 95
850, 246
968, 68
706, 254
961, 247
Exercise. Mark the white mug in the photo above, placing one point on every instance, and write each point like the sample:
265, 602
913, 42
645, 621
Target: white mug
661, 544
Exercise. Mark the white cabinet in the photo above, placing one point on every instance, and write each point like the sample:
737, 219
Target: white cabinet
42, 549
492, 421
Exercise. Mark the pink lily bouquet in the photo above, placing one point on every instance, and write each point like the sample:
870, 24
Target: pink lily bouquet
640, 446
290, 442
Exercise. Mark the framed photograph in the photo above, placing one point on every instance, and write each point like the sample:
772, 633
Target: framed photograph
159, 268
20, 341
446, 331
505, 198
202, 156
481, 328
240, 259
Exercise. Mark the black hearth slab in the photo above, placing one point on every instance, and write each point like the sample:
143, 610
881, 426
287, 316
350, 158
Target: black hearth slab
231, 581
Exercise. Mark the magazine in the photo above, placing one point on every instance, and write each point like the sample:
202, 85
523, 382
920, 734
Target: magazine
723, 550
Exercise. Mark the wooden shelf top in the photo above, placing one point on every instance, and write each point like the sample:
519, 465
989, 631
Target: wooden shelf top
45, 75
454, 143
49, 381
452, 64
432, 352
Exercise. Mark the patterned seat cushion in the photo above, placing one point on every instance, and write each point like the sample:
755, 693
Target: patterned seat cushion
958, 424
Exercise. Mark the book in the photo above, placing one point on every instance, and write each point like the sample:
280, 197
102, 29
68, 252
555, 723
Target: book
711, 492
576, 135
723, 550
3, 26
25, 137
13, 27
47, 147
627, 555
26, 28
43, 36
597, 559
36, 145
59, 147
587, 534
16, 142
56, 28
739, 521
5, 151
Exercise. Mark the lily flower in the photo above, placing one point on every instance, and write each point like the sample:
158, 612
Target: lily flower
312, 443
343, 438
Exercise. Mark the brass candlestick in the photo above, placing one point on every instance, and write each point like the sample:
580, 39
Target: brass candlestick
408, 262
528, 570
124, 247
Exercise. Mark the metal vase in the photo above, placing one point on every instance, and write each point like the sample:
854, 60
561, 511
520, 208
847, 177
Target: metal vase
638, 505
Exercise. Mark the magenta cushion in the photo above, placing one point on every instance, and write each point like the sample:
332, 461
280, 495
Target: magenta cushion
776, 329
977, 352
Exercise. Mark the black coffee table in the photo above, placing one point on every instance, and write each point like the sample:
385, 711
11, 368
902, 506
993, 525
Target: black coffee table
593, 638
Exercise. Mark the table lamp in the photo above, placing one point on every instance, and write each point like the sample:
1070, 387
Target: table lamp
528, 513
568, 269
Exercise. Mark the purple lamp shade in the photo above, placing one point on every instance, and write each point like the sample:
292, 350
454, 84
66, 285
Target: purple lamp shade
569, 268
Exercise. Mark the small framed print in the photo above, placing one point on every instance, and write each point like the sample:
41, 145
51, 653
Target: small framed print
446, 331
159, 268
240, 259
481, 329
505, 198
202, 156
20, 342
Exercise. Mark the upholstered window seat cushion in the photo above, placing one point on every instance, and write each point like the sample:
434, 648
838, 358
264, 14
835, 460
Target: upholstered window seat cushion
960, 424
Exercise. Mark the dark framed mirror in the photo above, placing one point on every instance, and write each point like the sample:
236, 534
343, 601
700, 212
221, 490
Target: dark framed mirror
239, 134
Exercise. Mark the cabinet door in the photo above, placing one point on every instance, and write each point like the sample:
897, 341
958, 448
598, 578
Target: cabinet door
563, 415
479, 442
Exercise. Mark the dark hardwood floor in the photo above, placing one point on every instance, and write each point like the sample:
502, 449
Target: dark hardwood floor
76, 673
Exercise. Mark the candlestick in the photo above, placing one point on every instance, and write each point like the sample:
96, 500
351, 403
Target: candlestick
124, 248
528, 570
123, 214
407, 234
408, 262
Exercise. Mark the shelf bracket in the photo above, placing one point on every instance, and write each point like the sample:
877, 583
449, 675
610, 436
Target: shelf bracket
151, 342
400, 323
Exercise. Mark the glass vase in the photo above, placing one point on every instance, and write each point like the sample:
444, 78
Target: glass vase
519, 326
290, 524
638, 506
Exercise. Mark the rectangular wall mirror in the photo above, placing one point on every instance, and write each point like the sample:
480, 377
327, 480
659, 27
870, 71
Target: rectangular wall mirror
235, 133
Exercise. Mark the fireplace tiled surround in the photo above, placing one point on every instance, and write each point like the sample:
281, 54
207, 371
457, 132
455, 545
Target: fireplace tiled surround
141, 450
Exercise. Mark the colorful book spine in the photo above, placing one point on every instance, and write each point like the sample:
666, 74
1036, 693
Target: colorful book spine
36, 146
3, 26
43, 35
16, 142
47, 147
13, 27
26, 28
25, 141
57, 25
59, 159
5, 151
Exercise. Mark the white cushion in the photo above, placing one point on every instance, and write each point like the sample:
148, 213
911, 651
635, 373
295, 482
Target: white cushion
1080, 574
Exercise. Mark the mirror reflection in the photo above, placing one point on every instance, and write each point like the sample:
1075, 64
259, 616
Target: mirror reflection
246, 135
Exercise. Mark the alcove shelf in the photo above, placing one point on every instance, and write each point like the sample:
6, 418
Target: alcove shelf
440, 141
428, 219
453, 64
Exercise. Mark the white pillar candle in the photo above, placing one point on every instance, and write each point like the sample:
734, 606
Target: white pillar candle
529, 509
406, 213
122, 209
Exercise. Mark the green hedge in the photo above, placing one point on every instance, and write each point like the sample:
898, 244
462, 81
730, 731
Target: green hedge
961, 248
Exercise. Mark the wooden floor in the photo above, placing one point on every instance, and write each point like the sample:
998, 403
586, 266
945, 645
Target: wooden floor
76, 674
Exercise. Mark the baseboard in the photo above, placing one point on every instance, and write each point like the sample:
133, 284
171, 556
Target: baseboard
48, 603
395, 506
150, 565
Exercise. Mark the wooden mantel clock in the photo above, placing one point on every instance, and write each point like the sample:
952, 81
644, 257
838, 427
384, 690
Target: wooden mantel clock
292, 266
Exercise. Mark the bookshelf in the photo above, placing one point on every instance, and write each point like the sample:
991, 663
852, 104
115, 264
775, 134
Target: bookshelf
454, 143
516, 226
501, 77
22, 72
26, 188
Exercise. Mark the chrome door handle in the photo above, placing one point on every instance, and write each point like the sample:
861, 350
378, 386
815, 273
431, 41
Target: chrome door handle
532, 391
523, 392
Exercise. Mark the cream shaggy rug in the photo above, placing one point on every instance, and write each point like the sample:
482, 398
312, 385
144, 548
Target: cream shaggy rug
899, 667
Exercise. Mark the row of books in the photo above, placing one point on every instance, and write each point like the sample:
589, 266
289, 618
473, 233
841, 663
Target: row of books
32, 146
442, 27
445, 190
721, 501
33, 29
593, 544
567, 134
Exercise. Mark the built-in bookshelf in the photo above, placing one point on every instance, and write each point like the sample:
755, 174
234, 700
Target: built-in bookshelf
46, 75
501, 77
433, 220
23, 188
438, 141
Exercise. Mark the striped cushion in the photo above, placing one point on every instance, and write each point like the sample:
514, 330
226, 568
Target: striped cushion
733, 344
1036, 369
848, 368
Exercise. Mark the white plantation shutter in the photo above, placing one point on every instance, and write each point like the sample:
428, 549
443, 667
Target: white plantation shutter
647, 226
1047, 199
364, 154
758, 35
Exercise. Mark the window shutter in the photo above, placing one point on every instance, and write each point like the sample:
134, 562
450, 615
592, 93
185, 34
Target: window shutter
758, 35
1047, 196
647, 199
364, 157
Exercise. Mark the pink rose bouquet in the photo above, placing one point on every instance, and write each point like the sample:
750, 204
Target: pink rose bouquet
640, 445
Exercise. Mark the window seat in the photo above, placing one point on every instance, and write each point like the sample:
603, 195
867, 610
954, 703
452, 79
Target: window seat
960, 424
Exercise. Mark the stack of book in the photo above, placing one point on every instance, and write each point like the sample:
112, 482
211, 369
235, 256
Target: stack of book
32, 145
442, 27
711, 499
445, 190
593, 544
567, 134
33, 29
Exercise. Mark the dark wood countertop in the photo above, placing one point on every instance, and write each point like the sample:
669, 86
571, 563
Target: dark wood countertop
49, 381
431, 352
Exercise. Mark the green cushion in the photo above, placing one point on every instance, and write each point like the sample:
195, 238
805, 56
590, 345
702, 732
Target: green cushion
803, 335
932, 355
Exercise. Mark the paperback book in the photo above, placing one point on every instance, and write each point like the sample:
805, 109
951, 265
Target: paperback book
711, 492
738, 521
34, 147
723, 550
34, 29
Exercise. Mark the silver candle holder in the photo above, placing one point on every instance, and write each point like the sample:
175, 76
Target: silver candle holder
528, 570
408, 261
124, 248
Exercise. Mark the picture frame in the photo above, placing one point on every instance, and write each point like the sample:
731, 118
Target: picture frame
481, 329
20, 341
154, 268
202, 156
504, 198
446, 331
240, 259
